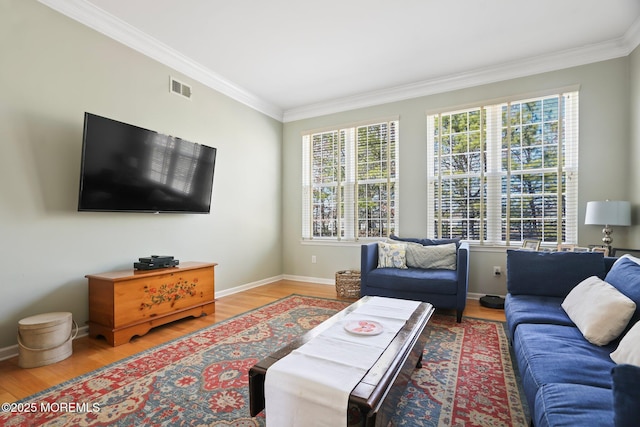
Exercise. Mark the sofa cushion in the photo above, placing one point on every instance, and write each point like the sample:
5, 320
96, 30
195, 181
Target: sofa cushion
625, 276
626, 396
549, 354
392, 255
599, 310
414, 280
432, 256
550, 273
573, 405
628, 350
534, 309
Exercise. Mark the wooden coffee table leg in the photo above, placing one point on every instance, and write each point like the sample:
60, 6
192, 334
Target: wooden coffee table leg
419, 364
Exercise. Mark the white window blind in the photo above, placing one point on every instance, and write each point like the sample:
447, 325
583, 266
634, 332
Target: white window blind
350, 182
505, 172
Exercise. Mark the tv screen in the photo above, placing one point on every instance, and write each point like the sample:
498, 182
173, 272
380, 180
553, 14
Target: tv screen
126, 168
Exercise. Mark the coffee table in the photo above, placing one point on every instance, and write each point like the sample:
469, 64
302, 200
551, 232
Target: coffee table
378, 393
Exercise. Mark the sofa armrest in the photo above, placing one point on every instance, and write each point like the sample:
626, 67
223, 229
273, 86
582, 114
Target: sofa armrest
368, 262
462, 260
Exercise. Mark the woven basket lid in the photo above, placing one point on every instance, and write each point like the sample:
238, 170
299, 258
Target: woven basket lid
45, 320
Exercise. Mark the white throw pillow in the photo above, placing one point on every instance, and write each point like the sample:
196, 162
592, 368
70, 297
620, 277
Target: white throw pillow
392, 255
431, 256
599, 310
628, 350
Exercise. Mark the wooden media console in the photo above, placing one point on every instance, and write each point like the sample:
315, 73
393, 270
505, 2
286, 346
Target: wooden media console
126, 303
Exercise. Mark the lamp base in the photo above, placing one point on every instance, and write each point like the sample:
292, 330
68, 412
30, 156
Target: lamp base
607, 231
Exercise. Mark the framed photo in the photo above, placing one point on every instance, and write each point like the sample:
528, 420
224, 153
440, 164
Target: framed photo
618, 252
603, 249
532, 245
580, 249
566, 248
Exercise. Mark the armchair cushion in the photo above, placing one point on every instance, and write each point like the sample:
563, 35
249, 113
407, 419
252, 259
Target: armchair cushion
414, 280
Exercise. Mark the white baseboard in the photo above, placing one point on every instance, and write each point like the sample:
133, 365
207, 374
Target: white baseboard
248, 286
8, 352
308, 279
471, 295
13, 351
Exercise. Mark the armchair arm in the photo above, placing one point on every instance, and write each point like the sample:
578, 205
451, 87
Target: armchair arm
368, 262
463, 277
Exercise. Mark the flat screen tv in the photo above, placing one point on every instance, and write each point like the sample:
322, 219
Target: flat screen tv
126, 168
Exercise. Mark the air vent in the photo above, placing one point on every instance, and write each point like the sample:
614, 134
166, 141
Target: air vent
179, 88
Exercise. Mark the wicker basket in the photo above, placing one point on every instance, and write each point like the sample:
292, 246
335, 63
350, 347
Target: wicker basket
348, 283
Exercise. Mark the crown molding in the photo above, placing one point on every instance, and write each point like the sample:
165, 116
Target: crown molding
632, 37
616, 48
97, 19
105, 23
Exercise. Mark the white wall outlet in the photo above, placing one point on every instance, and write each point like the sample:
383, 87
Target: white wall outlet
313, 259
496, 270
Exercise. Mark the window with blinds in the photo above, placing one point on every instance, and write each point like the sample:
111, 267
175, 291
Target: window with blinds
350, 182
505, 173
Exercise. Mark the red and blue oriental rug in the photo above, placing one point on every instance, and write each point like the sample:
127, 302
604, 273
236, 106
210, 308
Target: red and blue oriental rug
467, 377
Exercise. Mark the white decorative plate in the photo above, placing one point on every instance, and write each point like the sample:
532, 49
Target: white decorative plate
363, 327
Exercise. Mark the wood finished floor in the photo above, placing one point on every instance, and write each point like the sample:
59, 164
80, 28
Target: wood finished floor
89, 354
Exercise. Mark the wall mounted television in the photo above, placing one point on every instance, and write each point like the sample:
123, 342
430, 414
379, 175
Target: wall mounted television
126, 168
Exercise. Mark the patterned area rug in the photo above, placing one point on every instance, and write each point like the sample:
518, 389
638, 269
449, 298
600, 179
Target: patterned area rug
201, 379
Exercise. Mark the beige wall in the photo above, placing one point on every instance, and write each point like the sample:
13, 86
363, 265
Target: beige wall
604, 165
53, 70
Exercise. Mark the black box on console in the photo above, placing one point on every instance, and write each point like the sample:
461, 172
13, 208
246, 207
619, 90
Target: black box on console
164, 263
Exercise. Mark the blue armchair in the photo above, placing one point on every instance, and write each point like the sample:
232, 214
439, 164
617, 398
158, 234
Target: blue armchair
442, 288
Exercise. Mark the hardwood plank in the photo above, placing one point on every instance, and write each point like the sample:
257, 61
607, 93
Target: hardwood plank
90, 354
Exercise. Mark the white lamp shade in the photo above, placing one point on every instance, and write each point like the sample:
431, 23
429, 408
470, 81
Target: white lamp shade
608, 213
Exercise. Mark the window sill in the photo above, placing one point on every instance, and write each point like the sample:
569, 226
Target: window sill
474, 246
342, 243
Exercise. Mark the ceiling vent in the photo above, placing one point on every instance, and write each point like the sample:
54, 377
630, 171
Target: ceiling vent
179, 88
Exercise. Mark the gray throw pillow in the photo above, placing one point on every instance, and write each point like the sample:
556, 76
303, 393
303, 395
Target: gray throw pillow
431, 257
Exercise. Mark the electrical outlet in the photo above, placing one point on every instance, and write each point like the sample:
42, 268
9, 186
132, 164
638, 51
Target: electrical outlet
496, 270
313, 259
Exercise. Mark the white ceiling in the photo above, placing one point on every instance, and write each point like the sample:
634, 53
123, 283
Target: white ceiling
294, 58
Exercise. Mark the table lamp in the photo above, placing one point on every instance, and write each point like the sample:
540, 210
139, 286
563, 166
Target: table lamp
608, 213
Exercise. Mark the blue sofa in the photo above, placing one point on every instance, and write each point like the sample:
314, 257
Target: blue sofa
567, 380
442, 288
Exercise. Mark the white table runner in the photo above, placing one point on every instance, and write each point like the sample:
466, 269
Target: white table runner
311, 385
